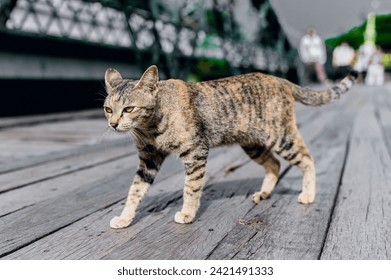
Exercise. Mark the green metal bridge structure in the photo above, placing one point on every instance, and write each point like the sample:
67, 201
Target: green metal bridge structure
53, 53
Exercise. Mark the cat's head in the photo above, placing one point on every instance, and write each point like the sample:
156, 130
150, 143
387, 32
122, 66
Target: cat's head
130, 104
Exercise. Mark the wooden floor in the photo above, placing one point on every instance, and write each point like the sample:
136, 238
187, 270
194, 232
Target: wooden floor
63, 177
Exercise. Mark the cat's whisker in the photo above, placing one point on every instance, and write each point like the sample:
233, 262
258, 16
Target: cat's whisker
138, 136
131, 136
101, 93
104, 134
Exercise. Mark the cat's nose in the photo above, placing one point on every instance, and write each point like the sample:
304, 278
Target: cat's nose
114, 125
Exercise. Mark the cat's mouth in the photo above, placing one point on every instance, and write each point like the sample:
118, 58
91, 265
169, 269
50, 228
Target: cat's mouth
121, 129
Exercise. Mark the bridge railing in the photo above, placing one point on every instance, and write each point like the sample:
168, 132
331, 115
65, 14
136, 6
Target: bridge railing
174, 34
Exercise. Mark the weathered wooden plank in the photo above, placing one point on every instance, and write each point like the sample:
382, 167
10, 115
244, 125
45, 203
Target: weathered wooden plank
310, 113
88, 238
160, 241
32, 120
383, 113
32, 223
52, 188
65, 183
280, 228
24, 143
17, 164
49, 170
81, 240
69, 207
25, 226
361, 223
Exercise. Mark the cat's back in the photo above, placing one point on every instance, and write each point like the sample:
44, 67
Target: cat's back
228, 109
255, 79
251, 83
230, 96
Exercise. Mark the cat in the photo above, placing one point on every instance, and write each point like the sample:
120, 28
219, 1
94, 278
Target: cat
253, 110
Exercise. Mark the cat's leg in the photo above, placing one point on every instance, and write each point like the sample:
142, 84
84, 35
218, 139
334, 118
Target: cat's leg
272, 167
194, 160
146, 173
297, 153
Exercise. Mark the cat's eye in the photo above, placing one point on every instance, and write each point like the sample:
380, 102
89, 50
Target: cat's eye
128, 109
108, 110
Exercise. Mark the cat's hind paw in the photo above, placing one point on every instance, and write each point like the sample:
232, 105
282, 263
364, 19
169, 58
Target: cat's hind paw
258, 196
183, 218
118, 222
306, 198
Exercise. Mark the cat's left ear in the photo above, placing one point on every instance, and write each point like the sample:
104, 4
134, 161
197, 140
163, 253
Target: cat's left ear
149, 79
111, 75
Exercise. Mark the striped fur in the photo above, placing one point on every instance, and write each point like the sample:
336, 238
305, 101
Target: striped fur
254, 110
312, 97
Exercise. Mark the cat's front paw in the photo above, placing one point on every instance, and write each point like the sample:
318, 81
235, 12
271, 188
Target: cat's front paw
118, 222
306, 198
183, 218
258, 196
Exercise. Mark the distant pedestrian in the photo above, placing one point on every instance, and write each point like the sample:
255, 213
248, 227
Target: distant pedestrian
312, 52
343, 56
364, 54
375, 73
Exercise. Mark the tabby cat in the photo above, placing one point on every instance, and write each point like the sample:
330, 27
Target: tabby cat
254, 110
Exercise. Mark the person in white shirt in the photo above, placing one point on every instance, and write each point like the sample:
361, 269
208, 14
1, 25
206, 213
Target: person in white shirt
364, 55
375, 73
312, 52
343, 56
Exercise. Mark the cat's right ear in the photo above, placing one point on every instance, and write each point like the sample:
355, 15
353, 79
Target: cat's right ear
149, 79
111, 75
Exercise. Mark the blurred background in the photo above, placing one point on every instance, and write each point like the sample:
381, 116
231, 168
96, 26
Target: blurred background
53, 53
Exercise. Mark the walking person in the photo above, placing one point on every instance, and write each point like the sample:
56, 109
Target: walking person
343, 56
364, 55
312, 52
375, 73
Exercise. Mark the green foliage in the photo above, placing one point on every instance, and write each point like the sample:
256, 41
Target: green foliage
355, 36
210, 68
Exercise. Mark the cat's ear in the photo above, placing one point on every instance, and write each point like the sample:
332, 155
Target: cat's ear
111, 75
149, 79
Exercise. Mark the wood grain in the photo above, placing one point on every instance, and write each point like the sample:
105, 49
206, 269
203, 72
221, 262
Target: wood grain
48, 170
72, 242
57, 117
361, 224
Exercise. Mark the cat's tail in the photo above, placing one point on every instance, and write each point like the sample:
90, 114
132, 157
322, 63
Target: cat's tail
313, 97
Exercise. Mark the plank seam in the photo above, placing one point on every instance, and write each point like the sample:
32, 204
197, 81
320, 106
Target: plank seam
105, 207
54, 231
215, 247
340, 182
66, 173
377, 117
53, 118
14, 211
40, 160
